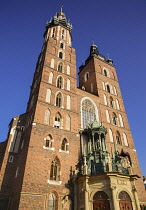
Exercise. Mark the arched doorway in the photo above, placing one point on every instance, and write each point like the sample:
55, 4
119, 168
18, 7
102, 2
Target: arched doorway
125, 201
101, 201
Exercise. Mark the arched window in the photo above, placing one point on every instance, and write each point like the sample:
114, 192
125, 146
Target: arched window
52, 202
60, 67
54, 172
59, 100
111, 102
47, 117
50, 78
124, 196
118, 138
105, 73
86, 76
53, 32
125, 139
111, 135
64, 145
105, 99
48, 95
103, 85
52, 63
49, 141
68, 84
60, 82
67, 122
61, 55
62, 34
57, 122
88, 113
101, 199
121, 121
117, 104
61, 45
114, 119
107, 116
68, 102
17, 142
108, 88
115, 91
68, 69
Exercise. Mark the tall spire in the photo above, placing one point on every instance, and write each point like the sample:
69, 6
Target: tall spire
61, 8
59, 19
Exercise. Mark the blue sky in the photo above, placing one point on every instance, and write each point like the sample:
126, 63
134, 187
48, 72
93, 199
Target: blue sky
117, 27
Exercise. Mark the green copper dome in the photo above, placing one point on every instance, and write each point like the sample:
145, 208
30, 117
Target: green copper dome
96, 124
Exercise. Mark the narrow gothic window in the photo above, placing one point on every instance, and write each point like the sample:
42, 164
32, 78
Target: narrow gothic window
125, 139
108, 88
68, 69
60, 55
60, 67
57, 122
111, 102
88, 113
111, 135
118, 138
62, 36
53, 32
49, 141
105, 73
47, 117
68, 122
117, 104
68, 102
107, 116
115, 91
52, 63
64, 145
86, 77
61, 45
121, 120
54, 172
114, 119
59, 100
50, 78
52, 202
68, 84
48, 95
60, 82
105, 100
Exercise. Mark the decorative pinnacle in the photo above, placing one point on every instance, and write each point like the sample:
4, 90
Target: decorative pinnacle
61, 8
92, 42
108, 56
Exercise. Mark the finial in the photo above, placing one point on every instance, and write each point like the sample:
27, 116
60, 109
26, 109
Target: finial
61, 8
92, 42
108, 56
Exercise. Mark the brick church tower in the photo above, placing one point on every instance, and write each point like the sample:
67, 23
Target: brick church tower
73, 148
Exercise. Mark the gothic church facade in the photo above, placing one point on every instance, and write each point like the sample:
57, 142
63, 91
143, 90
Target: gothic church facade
73, 148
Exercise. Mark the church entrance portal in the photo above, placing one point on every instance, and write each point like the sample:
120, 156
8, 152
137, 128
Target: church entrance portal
125, 201
101, 201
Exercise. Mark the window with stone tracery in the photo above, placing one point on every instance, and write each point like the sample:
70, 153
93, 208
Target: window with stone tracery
54, 172
88, 113
52, 202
